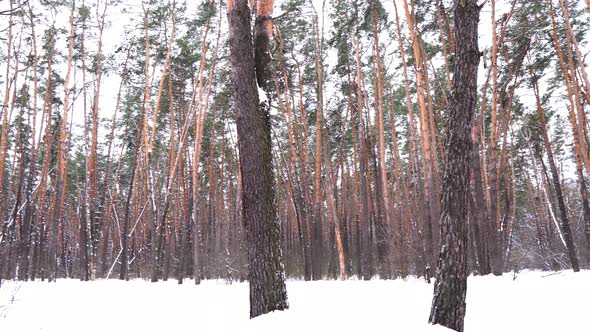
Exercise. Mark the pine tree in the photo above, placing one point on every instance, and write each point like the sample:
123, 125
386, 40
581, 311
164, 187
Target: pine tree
265, 271
448, 304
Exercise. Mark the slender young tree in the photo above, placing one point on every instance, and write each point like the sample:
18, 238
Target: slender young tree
448, 304
318, 197
4, 115
429, 196
565, 224
62, 162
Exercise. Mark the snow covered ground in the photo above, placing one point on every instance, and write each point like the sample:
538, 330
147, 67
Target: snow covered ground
534, 301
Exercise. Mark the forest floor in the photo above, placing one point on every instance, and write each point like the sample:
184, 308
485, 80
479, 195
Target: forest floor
529, 301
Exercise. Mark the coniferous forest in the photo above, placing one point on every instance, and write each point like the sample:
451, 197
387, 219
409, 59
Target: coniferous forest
268, 140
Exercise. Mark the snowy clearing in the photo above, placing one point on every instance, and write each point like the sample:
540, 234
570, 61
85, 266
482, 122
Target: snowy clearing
534, 301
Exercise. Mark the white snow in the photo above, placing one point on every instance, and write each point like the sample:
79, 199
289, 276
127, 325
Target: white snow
262, 95
534, 301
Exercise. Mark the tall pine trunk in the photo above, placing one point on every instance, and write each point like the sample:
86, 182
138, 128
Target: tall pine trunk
450, 289
265, 270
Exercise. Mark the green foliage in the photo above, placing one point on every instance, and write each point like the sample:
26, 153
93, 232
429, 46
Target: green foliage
344, 25
84, 12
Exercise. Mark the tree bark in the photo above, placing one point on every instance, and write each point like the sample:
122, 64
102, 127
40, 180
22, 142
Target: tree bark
265, 270
448, 304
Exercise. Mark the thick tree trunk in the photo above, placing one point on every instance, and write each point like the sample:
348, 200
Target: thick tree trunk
265, 271
448, 304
